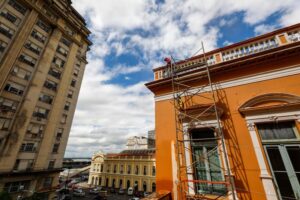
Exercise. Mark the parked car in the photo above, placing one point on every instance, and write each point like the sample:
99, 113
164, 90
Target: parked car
121, 191
95, 190
146, 194
78, 192
135, 198
130, 191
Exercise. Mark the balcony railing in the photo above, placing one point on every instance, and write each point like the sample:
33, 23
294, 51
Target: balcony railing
216, 57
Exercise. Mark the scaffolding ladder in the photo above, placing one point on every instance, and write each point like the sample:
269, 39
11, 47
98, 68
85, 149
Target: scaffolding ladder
193, 105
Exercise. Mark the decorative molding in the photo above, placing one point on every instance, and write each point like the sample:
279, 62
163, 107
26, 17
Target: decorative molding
292, 70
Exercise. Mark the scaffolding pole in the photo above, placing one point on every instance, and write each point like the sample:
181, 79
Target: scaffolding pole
183, 97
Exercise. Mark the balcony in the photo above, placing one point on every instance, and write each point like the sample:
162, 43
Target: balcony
6, 32
246, 49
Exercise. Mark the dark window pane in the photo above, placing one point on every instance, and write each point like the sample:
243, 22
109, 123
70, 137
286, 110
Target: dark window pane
275, 159
294, 153
277, 130
284, 185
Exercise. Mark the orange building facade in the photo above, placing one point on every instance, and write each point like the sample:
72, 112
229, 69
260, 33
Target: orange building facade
256, 86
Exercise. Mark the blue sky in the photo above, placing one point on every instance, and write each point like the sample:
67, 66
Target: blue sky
131, 37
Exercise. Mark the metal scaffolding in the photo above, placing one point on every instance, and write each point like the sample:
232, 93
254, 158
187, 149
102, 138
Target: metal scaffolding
193, 106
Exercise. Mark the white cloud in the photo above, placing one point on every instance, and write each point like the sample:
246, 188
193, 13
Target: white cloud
109, 113
263, 28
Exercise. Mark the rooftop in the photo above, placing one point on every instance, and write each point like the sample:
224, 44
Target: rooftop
245, 49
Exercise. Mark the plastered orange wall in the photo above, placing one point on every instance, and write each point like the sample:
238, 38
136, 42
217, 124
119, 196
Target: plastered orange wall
239, 145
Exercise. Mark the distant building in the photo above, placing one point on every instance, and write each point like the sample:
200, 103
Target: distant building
96, 169
75, 163
130, 168
151, 139
43, 45
137, 142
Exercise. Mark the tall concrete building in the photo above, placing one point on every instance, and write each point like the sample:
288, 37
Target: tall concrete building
43, 45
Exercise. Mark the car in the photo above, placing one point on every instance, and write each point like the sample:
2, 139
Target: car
121, 191
78, 192
146, 194
135, 198
130, 191
95, 190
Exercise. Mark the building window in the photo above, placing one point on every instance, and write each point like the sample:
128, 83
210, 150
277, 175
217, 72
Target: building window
121, 169
70, 93
38, 36
33, 47
7, 105
6, 31
14, 88
115, 168
17, 6
101, 170
55, 73
41, 113
59, 133
4, 124
21, 73
10, 17
58, 62
36, 130
46, 98
73, 83
55, 148
67, 106
43, 26
3, 45
62, 51
129, 169
282, 147
51, 164
153, 171
28, 147
76, 72
65, 42
11, 187
47, 182
50, 85
64, 119
145, 170
27, 59
108, 168
205, 155
136, 169
78, 63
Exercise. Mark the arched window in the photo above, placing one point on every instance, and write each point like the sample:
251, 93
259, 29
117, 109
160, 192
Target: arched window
153, 187
153, 171
128, 184
129, 169
113, 183
96, 181
136, 186
120, 183
145, 186
136, 169
106, 182
92, 181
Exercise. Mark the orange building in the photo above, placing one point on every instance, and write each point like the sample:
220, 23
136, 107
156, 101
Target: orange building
245, 96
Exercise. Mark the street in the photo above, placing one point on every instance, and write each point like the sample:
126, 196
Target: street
114, 196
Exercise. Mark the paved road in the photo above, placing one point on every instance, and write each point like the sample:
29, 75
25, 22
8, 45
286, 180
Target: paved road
110, 197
